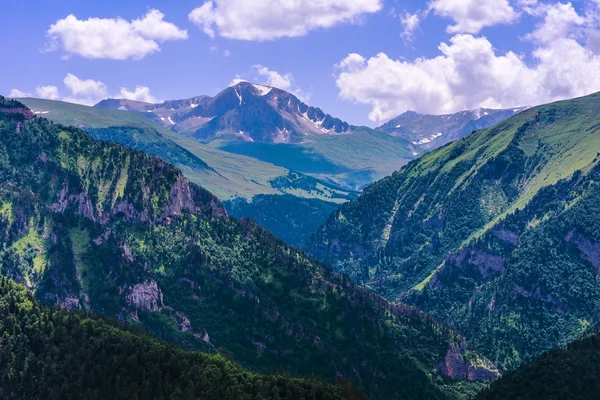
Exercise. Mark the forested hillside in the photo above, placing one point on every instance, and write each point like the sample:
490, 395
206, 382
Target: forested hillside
92, 226
570, 373
241, 182
496, 234
51, 354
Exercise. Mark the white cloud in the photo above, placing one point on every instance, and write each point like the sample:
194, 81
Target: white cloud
236, 80
47, 92
274, 78
112, 38
468, 74
559, 21
15, 93
471, 16
141, 93
272, 19
153, 26
84, 91
87, 92
269, 77
85, 87
410, 22
281, 81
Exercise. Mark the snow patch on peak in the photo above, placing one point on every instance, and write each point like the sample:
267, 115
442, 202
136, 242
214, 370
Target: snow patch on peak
239, 96
264, 90
428, 140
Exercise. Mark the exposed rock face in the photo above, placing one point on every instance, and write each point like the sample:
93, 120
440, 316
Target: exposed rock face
457, 366
590, 251
128, 211
24, 112
145, 296
506, 236
183, 197
485, 262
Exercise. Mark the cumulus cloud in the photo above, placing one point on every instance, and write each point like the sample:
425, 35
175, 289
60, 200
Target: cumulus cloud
15, 93
114, 38
410, 23
269, 77
141, 93
272, 19
470, 73
559, 21
236, 80
86, 88
87, 92
471, 16
47, 92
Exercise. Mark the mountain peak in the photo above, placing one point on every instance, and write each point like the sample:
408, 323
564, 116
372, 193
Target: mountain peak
245, 111
433, 131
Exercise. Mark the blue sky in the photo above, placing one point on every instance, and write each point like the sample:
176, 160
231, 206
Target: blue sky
364, 61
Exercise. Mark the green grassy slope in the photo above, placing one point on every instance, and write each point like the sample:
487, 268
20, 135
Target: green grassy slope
351, 160
89, 225
466, 232
87, 117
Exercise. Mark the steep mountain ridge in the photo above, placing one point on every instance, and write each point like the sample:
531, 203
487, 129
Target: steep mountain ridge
467, 232
88, 225
428, 132
245, 111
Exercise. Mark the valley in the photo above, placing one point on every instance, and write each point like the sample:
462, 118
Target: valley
97, 227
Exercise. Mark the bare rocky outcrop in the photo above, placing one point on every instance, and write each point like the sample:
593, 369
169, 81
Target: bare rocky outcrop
590, 251
180, 198
458, 364
127, 254
145, 296
23, 112
79, 202
506, 236
69, 302
486, 263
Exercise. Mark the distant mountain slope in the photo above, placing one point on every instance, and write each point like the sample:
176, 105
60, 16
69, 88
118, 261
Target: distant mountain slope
91, 225
428, 132
570, 373
229, 176
496, 233
50, 354
245, 111
274, 126
351, 161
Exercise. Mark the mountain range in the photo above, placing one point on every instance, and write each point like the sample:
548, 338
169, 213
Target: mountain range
428, 132
92, 226
467, 263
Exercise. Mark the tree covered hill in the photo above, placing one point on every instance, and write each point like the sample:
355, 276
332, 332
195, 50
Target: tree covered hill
92, 226
52, 354
562, 374
496, 234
